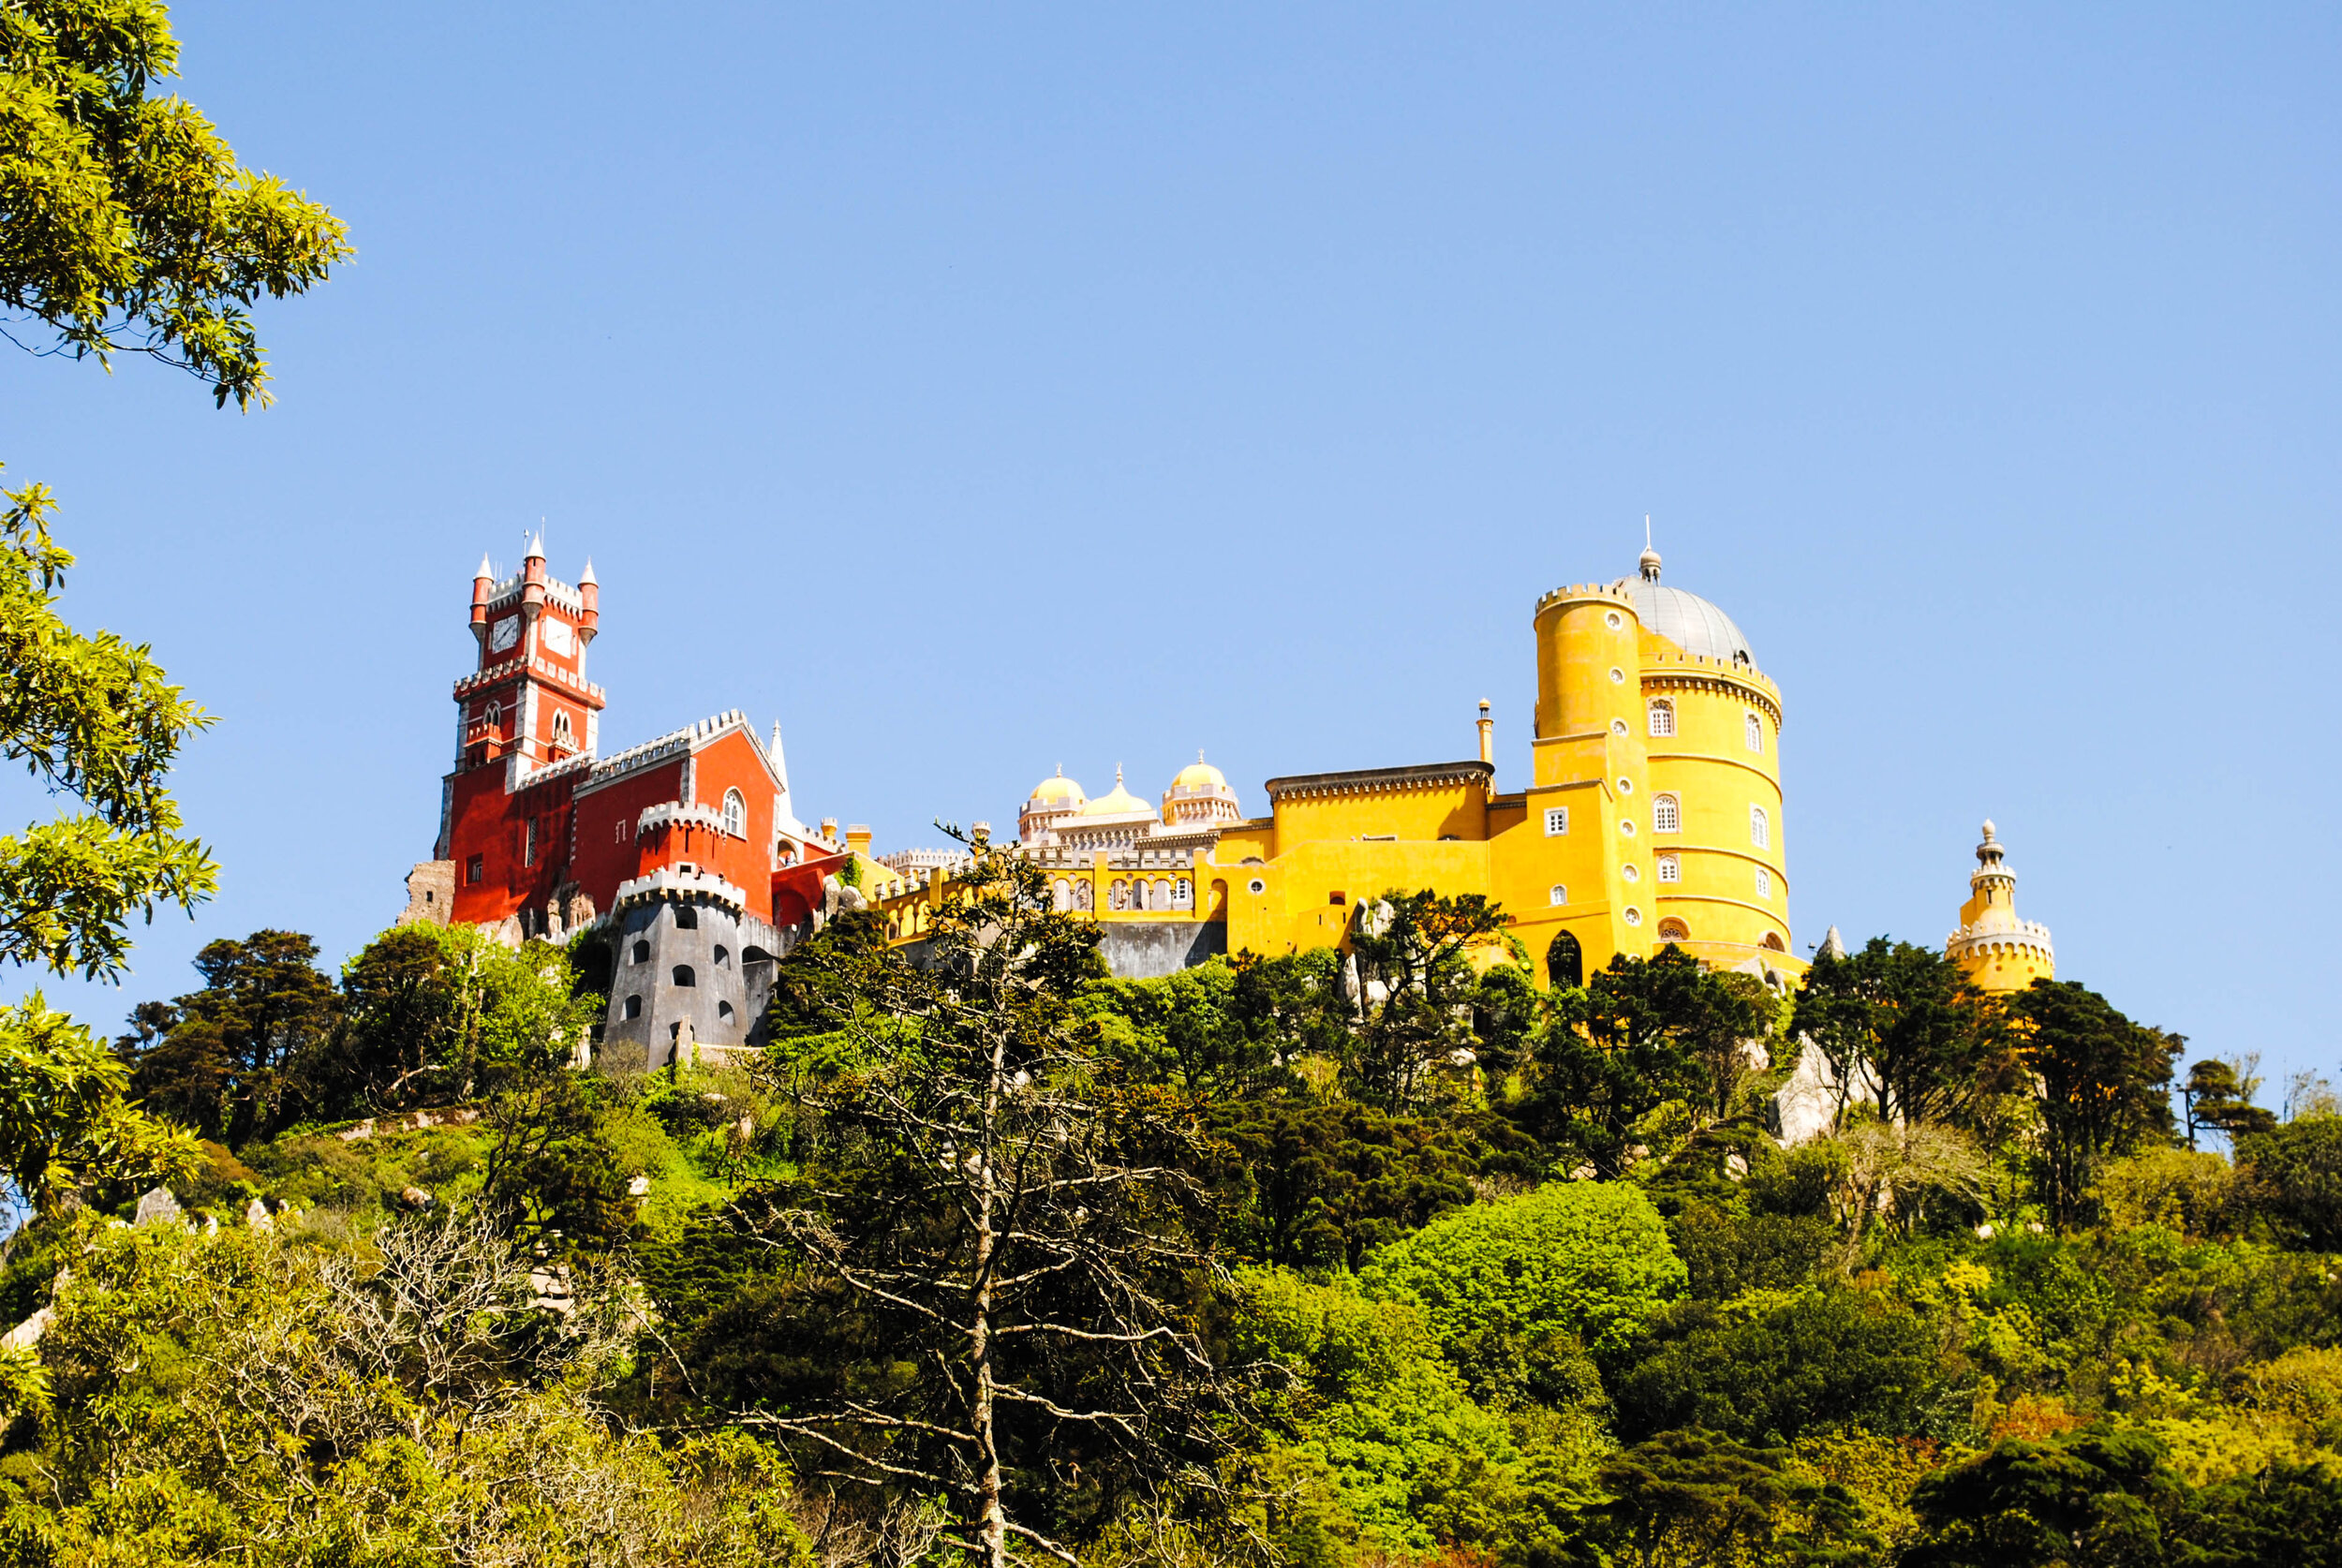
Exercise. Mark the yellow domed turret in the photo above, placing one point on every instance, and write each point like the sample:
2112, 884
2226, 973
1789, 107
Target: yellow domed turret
1200, 774
1057, 790
1117, 802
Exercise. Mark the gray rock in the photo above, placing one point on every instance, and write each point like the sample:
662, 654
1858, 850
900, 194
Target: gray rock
416, 1198
257, 1216
158, 1207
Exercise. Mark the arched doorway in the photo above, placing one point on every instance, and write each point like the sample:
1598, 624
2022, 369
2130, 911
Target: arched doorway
1566, 961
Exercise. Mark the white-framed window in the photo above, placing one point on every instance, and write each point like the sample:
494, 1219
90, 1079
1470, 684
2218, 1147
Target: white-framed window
1256, 886
1759, 828
1625, 786
1617, 676
494, 717
1634, 916
562, 735
1755, 732
1670, 869
735, 814
1632, 872
1764, 882
1626, 826
1615, 621
1618, 727
1184, 895
1556, 894
1556, 821
1662, 713
1666, 814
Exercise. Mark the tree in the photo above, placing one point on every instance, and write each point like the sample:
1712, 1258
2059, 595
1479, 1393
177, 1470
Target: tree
2100, 1498
126, 223
95, 722
2217, 1097
234, 1061
1907, 1015
1323, 1183
1820, 1359
992, 1255
64, 1127
1589, 1259
1410, 953
1640, 1034
2294, 1178
2099, 1084
1696, 1497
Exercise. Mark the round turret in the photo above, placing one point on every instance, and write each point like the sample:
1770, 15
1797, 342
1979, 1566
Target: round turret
1200, 794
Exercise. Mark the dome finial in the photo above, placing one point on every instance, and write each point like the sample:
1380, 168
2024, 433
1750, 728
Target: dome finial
1990, 853
1650, 561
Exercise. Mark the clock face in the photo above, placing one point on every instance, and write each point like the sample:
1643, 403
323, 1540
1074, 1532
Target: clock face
504, 634
558, 637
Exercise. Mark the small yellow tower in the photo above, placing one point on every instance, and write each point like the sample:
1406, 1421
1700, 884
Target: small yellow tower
1999, 952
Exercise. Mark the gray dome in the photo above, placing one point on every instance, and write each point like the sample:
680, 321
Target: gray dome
1687, 620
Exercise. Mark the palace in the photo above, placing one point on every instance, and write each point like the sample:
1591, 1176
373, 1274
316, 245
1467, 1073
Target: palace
1653, 814
682, 851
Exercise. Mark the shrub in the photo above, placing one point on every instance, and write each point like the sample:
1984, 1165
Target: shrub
1590, 1259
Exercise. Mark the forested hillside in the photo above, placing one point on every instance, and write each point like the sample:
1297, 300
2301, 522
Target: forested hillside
998, 1258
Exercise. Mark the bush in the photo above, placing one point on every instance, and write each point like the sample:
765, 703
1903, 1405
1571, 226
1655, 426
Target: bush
1764, 1372
2295, 1176
1586, 1260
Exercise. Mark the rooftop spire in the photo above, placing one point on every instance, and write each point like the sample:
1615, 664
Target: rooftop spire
1650, 561
587, 577
485, 571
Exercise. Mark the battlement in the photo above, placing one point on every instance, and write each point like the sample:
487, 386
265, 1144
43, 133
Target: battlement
667, 814
675, 741
1612, 592
507, 592
495, 674
671, 885
1702, 664
2028, 934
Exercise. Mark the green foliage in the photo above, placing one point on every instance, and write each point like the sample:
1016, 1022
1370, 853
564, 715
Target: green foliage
97, 724
1381, 1446
1415, 949
296, 1401
67, 1133
1319, 1184
1907, 1015
2295, 1177
1640, 1036
2219, 1099
1769, 1367
1694, 1497
1586, 1260
2098, 1496
233, 1060
2099, 1084
130, 226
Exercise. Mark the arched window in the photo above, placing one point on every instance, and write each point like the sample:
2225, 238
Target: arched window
1556, 894
1666, 814
1674, 931
683, 975
1662, 717
1773, 943
1085, 894
1062, 894
1755, 734
686, 918
723, 956
617, 831
723, 1010
562, 733
1566, 961
1764, 882
642, 952
735, 814
1759, 828
1670, 869
1118, 895
634, 1007
494, 717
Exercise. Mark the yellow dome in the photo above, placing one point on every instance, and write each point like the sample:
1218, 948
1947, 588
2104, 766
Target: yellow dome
1200, 774
1059, 790
1116, 803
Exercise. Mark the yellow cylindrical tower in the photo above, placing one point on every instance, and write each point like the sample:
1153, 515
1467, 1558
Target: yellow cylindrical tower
1711, 724
1586, 866
1999, 952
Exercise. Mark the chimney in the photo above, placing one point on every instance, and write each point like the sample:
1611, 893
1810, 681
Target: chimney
857, 839
1487, 735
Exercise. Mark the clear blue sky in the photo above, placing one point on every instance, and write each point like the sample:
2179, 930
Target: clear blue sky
974, 391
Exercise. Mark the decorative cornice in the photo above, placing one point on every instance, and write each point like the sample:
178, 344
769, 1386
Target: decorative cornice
1380, 781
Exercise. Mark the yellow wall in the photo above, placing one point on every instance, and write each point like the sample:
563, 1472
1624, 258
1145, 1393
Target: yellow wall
1289, 882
